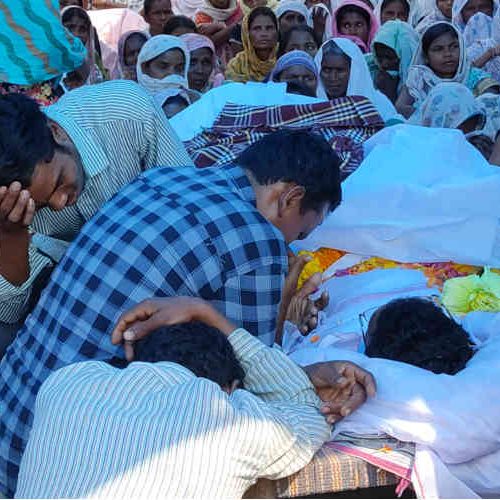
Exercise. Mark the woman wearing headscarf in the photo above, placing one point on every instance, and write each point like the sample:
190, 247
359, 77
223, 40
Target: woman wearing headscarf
451, 105
292, 13
354, 20
77, 21
202, 74
440, 57
259, 34
482, 40
129, 47
391, 10
343, 72
217, 19
441, 10
297, 67
463, 10
393, 49
248, 5
163, 63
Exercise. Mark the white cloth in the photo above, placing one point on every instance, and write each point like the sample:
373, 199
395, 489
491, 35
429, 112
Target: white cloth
203, 113
421, 79
155, 430
295, 6
452, 419
186, 8
360, 80
457, 17
218, 15
419, 196
154, 47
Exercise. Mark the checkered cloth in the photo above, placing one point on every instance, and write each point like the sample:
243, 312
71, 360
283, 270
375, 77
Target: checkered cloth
345, 123
173, 231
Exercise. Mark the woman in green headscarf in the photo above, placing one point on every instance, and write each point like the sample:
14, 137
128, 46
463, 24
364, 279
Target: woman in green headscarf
392, 52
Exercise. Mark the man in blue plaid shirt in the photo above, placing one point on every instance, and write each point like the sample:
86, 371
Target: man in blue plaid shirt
219, 234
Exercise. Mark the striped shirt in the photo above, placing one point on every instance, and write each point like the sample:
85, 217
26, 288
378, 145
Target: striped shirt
158, 431
193, 232
118, 132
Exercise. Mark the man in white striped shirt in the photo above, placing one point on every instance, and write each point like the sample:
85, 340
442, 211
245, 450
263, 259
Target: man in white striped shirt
57, 169
173, 424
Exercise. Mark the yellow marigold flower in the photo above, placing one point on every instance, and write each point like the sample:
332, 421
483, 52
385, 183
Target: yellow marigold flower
473, 293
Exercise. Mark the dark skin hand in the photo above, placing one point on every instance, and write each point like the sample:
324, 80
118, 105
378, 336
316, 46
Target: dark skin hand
319, 22
343, 386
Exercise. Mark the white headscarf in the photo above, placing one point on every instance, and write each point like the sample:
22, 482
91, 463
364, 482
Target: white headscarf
153, 48
378, 10
186, 8
458, 6
448, 105
295, 6
360, 81
421, 79
219, 15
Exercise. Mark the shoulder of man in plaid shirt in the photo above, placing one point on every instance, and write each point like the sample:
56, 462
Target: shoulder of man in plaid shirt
170, 232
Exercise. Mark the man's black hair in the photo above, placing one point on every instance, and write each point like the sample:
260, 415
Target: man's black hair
25, 139
202, 349
435, 32
298, 156
352, 9
285, 37
418, 332
176, 22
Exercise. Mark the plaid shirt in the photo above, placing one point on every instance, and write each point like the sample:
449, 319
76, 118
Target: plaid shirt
170, 232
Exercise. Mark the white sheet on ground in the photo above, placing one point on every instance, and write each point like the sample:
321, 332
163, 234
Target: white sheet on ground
454, 420
203, 113
421, 195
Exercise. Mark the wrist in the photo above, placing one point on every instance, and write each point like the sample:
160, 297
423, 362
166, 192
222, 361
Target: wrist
205, 313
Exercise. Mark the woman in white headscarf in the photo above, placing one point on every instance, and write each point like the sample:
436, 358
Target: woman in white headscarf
292, 13
440, 10
482, 40
429, 67
163, 63
343, 72
391, 10
463, 10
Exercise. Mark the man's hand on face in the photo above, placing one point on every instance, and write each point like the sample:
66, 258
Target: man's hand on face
342, 386
17, 208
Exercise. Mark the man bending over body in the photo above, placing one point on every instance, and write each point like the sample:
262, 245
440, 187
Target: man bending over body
203, 412
218, 234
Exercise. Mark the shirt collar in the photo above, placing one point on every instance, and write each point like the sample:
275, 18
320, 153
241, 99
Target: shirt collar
93, 158
238, 178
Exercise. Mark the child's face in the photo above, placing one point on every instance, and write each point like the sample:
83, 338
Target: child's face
354, 24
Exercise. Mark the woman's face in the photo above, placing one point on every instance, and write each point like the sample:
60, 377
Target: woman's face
300, 75
79, 28
133, 46
171, 62
354, 24
160, 13
263, 33
386, 57
301, 40
443, 56
446, 8
200, 68
394, 10
290, 19
474, 6
335, 72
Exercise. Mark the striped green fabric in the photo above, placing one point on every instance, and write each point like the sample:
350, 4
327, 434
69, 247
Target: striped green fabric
34, 45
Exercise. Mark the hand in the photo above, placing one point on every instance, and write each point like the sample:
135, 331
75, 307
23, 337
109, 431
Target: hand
17, 208
152, 314
319, 21
303, 312
342, 386
209, 29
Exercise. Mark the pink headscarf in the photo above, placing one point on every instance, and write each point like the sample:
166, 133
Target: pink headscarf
374, 24
194, 42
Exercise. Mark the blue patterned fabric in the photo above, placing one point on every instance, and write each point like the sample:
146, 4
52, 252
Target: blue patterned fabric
173, 231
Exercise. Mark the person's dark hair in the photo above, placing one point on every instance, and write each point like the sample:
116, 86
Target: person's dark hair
176, 22
262, 11
148, 4
285, 37
25, 139
202, 349
418, 332
331, 48
352, 9
404, 3
435, 32
297, 88
298, 156
75, 11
